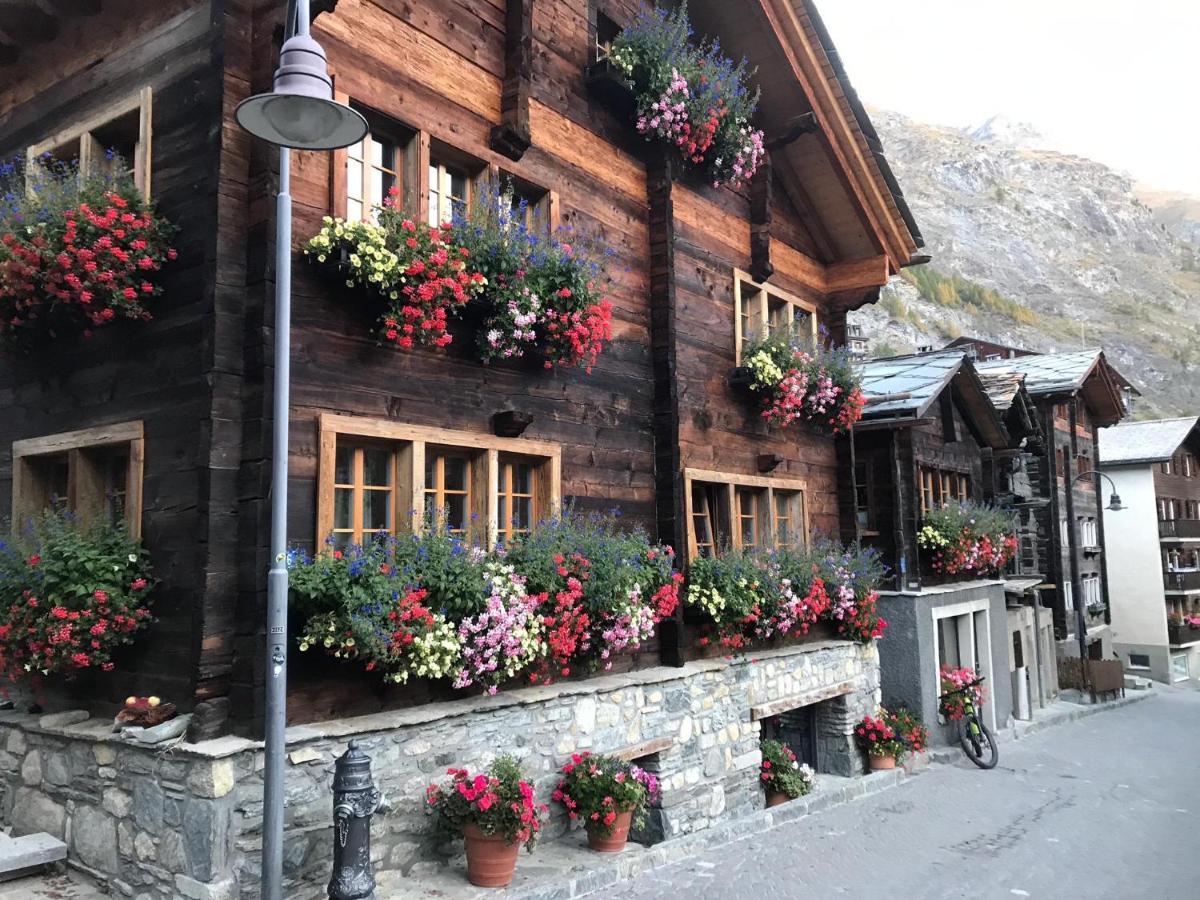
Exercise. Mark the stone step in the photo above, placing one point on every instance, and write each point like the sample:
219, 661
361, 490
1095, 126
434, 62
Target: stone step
29, 853
1137, 683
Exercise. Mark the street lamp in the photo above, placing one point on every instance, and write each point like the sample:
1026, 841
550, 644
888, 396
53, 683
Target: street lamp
298, 113
1114, 505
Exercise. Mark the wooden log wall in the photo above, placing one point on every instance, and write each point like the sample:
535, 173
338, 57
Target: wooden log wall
200, 376
155, 372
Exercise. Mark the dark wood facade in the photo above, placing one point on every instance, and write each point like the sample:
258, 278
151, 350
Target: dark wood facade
823, 225
951, 435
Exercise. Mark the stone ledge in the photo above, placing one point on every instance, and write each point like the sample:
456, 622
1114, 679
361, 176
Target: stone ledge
100, 730
951, 588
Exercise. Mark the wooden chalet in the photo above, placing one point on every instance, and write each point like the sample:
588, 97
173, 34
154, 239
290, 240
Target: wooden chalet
1076, 394
175, 415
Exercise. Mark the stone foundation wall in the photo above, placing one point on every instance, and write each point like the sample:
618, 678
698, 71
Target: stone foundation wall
186, 822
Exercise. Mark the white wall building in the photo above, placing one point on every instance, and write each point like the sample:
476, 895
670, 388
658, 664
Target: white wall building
1152, 552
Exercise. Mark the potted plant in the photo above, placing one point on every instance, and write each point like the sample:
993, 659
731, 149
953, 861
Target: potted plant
608, 795
783, 777
908, 728
879, 740
494, 812
794, 378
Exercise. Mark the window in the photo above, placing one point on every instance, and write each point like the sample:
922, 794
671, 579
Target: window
761, 309
1083, 465
121, 133
374, 166
939, 487
95, 473
1087, 532
743, 511
364, 492
517, 491
1139, 660
1180, 668
863, 495
604, 32
449, 190
1166, 465
382, 477
1068, 596
448, 488
1091, 592
534, 207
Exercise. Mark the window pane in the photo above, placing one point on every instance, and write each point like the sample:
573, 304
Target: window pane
522, 508
522, 478
455, 473
343, 500
376, 188
342, 540
377, 467
456, 512
343, 470
354, 179
504, 516
354, 211
376, 151
355, 151
377, 507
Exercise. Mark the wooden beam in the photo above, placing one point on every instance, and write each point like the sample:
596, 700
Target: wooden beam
856, 274
511, 137
760, 222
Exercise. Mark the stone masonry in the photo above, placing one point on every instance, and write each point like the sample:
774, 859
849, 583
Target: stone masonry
186, 822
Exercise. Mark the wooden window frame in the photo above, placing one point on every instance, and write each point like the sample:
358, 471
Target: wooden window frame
358, 488
727, 487
752, 314
505, 529
546, 208
85, 480
410, 443
91, 150
936, 487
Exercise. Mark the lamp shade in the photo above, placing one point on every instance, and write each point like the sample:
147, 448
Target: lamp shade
1114, 502
300, 112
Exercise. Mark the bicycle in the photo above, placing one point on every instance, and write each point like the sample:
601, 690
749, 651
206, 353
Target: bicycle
976, 739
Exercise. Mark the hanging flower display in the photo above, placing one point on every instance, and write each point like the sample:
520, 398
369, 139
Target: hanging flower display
535, 294
70, 597
796, 380
77, 251
967, 539
959, 685
757, 596
690, 96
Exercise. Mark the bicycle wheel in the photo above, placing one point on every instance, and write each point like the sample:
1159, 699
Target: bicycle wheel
978, 743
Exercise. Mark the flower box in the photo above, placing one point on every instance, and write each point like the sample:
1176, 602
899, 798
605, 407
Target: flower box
610, 86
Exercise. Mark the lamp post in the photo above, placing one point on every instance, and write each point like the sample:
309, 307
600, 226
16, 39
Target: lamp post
299, 113
1114, 505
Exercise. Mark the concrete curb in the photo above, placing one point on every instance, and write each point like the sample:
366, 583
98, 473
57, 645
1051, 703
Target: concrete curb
1022, 730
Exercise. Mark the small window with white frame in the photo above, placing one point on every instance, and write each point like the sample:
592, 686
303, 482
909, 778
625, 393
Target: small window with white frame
763, 309
119, 135
1181, 669
95, 474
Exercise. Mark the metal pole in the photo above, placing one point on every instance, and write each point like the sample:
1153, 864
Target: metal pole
277, 576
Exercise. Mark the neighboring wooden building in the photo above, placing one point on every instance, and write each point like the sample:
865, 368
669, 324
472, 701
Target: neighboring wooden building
175, 415
1076, 394
928, 437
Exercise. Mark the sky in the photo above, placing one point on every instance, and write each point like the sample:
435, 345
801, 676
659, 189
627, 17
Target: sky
1113, 80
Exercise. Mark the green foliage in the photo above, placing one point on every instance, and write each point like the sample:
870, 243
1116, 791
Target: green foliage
956, 292
595, 789
69, 596
497, 803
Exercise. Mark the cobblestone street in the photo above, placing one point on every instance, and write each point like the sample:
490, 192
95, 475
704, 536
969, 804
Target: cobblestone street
1104, 807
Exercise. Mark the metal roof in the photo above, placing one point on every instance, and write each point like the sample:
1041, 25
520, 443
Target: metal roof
911, 382
1131, 443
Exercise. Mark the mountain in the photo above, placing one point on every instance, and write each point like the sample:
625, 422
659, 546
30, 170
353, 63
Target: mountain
1043, 250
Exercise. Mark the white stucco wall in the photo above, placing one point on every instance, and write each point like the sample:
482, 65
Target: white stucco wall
1134, 566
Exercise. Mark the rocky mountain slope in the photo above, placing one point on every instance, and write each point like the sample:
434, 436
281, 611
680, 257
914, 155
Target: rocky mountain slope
1043, 250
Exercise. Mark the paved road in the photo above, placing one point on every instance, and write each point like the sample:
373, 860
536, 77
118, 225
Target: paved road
1104, 807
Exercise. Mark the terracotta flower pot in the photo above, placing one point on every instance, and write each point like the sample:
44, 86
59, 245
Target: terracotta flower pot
490, 858
614, 842
776, 798
882, 762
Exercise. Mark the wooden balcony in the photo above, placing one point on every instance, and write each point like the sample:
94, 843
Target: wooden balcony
1175, 529
1182, 582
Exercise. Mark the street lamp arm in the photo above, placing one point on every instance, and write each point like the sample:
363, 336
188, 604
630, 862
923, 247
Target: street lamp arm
1114, 502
